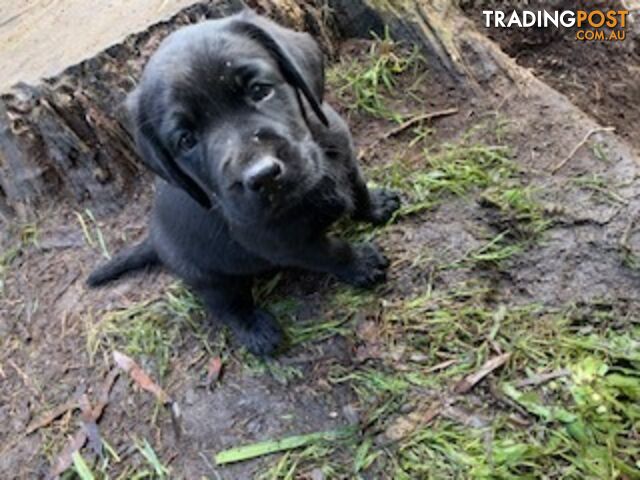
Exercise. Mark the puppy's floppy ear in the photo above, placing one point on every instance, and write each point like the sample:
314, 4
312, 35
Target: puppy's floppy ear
154, 153
298, 56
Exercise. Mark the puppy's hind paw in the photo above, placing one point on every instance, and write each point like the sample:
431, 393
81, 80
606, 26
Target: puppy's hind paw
383, 204
261, 334
368, 267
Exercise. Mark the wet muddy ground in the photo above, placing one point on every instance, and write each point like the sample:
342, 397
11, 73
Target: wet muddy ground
497, 254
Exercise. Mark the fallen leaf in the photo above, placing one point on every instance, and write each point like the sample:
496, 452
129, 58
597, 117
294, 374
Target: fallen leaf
144, 381
441, 366
489, 366
90, 426
405, 425
51, 416
213, 371
141, 378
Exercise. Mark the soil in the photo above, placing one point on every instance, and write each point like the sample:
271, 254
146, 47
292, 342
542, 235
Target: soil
46, 311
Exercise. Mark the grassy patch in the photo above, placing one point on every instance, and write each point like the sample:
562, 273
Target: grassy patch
335, 317
629, 259
581, 426
601, 188
581, 422
468, 171
301, 464
364, 85
518, 210
153, 330
600, 153
332, 319
495, 251
455, 170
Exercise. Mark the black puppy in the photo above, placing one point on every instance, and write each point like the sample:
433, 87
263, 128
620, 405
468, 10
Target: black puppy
253, 169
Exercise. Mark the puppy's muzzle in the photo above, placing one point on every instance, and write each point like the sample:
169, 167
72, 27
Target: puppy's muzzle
263, 175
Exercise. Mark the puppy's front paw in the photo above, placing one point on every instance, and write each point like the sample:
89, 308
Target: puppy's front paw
261, 334
367, 268
383, 204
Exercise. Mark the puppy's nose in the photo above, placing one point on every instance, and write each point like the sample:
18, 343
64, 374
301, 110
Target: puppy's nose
263, 173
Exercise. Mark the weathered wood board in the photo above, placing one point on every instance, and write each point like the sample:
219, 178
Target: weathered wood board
40, 38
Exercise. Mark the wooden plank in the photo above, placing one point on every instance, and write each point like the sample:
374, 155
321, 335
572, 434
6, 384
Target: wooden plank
40, 38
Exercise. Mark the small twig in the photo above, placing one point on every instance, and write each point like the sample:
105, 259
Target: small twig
51, 416
417, 119
208, 464
430, 411
561, 164
542, 378
441, 366
489, 366
403, 126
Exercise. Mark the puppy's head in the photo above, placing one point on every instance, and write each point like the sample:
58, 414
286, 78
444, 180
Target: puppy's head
225, 110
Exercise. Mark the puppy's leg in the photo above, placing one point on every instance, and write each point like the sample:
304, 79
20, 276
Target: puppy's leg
375, 206
360, 265
230, 300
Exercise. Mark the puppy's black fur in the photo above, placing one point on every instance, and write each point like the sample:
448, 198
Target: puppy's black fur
253, 168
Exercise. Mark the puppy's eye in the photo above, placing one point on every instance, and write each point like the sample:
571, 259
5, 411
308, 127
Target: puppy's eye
260, 91
187, 141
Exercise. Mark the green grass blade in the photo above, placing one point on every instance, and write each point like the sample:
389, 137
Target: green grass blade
81, 467
247, 452
150, 455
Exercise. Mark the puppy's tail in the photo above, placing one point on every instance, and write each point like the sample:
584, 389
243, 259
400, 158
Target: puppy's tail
133, 258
